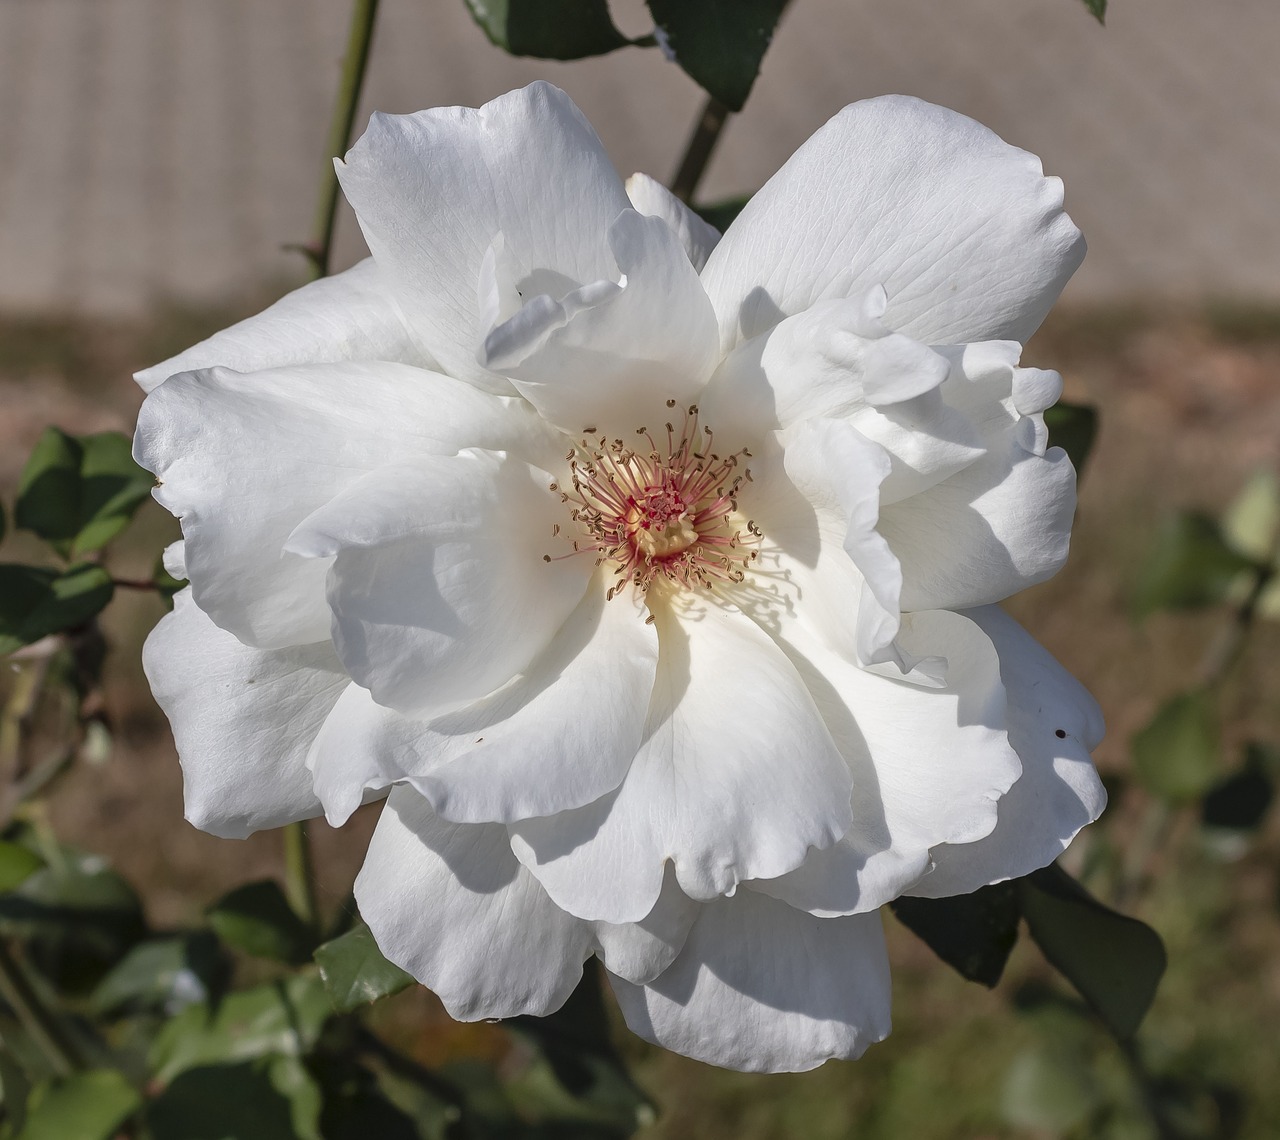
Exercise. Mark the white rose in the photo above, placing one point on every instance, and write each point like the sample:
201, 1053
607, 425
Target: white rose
768, 693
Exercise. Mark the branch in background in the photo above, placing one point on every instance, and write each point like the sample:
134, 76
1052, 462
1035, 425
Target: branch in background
701, 145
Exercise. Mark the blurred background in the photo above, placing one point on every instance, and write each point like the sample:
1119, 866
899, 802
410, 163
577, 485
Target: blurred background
159, 155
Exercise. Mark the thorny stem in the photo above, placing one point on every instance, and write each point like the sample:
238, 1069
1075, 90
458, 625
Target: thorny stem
359, 39
698, 151
41, 1026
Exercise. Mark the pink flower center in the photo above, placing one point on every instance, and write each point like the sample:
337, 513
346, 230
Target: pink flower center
661, 512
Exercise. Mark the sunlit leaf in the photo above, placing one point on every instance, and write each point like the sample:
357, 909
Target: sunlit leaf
719, 43
17, 865
283, 1017
36, 601
1252, 523
1115, 962
165, 975
549, 29
257, 919
1073, 427
355, 972
84, 1106
78, 493
1175, 756
974, 934
1190, 565
1050, 1090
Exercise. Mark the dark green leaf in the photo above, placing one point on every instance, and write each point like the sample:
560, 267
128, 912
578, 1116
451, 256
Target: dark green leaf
974, 934
78, 493
1240, 802
15, 1088
17, 865
222, 1102
355, 972
258, 920
4, 523
85, 1106
549, 29
721, 214
78, 917
1073, 427
1175, 756
355, 1108
165, 975
283, 1017
585, 1078
719, 43
1114, 962
1098, 8
1190, 565
36, 601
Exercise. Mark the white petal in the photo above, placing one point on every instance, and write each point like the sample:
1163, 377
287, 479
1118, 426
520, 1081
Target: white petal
994, 528
349, 316
654, 200
449, 903
765, 988
242, 718
440, 588
964, 231
558, 736
737, 779
926, 762
831, 361
432, 190
242, 459
640, 951
610, 357
1054, 724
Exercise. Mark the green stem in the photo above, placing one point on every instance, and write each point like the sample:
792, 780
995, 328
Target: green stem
1226, 648
359, 39
40, 1023
298, 878
698, 151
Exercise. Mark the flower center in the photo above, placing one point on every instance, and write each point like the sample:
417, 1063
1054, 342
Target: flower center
661, 512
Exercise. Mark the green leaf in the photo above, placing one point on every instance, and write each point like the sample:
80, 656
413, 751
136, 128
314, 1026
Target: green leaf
36, 601
1252, 522
1050, 1090
721, 214
584, 1078
356, 1108
355, 972
1175, 756
15, 1088
17, 865
1190, 565
719, 43
1074, 428
549, 29
1098, 8
1240, 802
258, 920
85, 1106
974, 934
283, 1017
165, 975
78, 493
224, 1102
1114, 962
4, 524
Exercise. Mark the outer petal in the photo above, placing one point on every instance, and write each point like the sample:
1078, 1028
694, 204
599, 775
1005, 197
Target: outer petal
997, 527
242, 718
242, 459
1054, 724
654, 200
762, 987
433, 190
610, 357
349, 316
440, 590
926, 763
449, 903
640, 951
737, 779
964, 231
558, 736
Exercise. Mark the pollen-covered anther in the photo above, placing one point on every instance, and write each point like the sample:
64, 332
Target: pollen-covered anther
662, 510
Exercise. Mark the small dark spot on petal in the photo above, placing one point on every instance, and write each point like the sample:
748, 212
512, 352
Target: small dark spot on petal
1060, 733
